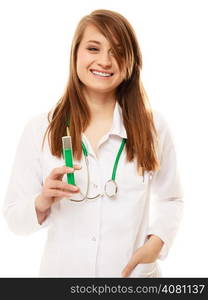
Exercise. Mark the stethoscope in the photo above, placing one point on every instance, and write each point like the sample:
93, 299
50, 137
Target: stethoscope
110, 187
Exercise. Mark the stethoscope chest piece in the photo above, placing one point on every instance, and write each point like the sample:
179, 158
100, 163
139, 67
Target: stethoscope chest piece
111, 188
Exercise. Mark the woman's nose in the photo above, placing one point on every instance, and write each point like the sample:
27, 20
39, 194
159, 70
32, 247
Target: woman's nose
105, 60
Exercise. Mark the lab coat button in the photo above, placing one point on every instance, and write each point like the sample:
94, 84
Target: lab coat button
93, 239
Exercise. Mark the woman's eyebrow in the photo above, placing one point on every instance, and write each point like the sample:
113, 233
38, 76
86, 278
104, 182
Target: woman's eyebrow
93, 41
99, 43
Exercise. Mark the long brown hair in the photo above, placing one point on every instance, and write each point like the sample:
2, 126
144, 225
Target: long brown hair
130, 94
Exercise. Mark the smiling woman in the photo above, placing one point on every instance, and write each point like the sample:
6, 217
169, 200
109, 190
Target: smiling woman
105, 114
97, 67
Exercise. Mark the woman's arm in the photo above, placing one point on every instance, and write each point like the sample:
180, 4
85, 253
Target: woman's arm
41, 214
148, 253
25, 181
167, 204
166, 192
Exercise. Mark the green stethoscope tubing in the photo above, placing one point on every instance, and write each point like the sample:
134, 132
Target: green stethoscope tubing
113, 177
111, 181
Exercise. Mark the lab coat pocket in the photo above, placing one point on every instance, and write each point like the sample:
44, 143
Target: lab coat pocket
145, 270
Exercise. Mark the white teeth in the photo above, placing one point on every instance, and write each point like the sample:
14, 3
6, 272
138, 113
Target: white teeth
101, 74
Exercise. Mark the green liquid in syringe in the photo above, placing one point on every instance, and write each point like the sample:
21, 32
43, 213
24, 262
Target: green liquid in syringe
69, 163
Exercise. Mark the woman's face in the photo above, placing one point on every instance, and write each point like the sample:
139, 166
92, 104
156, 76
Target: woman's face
97, 67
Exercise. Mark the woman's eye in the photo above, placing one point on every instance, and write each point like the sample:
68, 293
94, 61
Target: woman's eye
119, 51
92, 49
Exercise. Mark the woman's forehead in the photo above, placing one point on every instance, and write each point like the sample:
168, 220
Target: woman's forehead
93, 35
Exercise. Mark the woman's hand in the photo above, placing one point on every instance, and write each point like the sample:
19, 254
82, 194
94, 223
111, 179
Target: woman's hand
148, 253
54, 189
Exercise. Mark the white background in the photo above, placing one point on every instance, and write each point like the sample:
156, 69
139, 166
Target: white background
34, 62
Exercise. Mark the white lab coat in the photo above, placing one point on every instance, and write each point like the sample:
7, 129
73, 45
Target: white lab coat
96, 238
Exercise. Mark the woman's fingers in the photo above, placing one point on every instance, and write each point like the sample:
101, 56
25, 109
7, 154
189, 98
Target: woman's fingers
54, 181
57, 184
58, 194
58, 173
137, 258
54, 188
130, 266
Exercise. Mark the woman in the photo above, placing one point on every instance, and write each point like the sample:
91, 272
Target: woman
104, 105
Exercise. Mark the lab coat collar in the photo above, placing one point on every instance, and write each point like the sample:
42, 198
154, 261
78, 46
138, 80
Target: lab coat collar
117, 128
117, 125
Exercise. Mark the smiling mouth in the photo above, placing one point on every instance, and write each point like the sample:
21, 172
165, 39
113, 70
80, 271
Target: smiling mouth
101, 74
